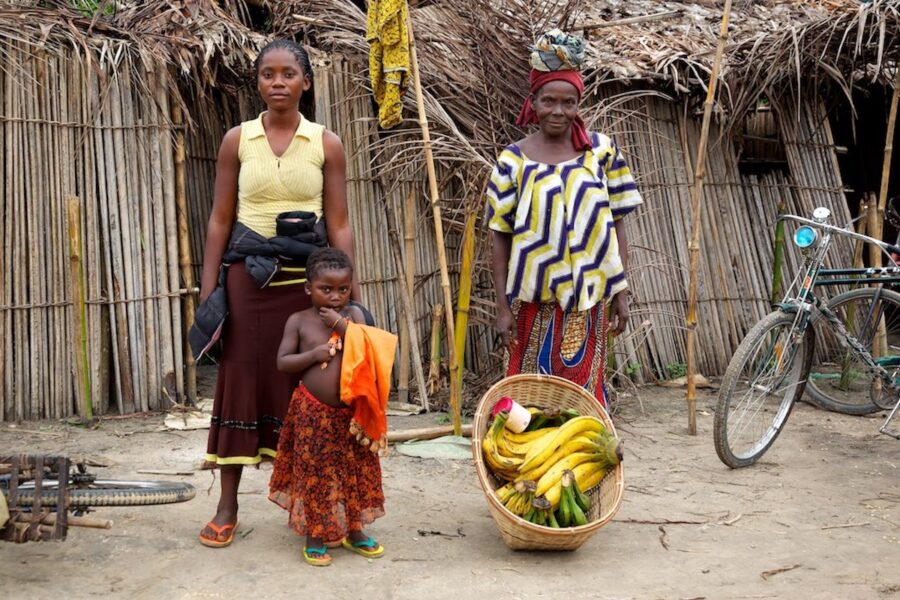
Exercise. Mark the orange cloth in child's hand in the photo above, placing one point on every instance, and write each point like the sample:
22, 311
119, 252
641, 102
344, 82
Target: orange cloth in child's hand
366, 376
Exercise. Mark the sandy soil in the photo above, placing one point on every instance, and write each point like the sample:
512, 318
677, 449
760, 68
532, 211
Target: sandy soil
818, 517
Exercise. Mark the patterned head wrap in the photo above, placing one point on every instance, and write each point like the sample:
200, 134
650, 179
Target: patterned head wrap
557, 51
556, 56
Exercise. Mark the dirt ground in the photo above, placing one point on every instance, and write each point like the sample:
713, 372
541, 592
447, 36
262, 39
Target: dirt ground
818, 517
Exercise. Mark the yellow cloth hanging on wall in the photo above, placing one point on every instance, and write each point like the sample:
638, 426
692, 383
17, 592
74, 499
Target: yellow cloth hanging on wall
388, 57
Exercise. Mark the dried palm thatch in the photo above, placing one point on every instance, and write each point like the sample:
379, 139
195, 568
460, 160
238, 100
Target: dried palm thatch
640, 53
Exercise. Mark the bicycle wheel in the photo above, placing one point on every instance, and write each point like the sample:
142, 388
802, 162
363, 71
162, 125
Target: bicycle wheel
765, 377
109, 493
839, 380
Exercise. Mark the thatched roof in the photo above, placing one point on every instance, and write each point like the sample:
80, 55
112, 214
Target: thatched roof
473, 55
201, 40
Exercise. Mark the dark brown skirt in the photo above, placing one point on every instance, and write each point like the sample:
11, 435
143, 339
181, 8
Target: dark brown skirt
252, 396
329, 484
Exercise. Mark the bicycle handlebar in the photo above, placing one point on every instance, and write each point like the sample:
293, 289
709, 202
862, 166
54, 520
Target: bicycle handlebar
844, 232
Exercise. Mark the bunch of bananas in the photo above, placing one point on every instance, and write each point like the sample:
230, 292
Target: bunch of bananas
551, 465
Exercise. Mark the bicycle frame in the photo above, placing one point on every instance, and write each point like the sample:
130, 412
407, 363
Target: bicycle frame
808, 307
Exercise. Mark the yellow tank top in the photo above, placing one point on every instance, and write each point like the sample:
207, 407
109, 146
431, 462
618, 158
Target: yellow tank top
269, 185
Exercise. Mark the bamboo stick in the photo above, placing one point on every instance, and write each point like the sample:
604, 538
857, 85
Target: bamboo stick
697, 190
434, 371
184, 246
438, 232
79, 320
408, 312
75, 521
886, 165
4, 236
465, 292
409, 239
427, 433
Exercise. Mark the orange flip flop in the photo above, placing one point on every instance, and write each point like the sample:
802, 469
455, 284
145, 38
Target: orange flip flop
228, 529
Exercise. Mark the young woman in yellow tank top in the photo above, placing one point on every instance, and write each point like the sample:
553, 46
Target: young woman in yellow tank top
279, 162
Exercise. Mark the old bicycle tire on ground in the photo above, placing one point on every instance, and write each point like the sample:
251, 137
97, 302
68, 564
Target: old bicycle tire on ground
113, 493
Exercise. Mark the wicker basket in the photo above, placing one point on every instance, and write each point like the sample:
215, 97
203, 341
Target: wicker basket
545, 391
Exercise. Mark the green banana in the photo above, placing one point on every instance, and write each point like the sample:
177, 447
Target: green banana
567, 414
578, 517
565, 509
544, 448
581, 499
551, 519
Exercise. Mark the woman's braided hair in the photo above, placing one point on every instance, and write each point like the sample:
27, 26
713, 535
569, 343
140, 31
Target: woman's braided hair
308, 99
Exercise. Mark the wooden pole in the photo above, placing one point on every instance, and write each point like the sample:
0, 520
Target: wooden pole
434, 370
79, 321
408, 307
184, 251
426, 433
465, 290
409, 241
778, 259
694, 246
888, 152
438, 232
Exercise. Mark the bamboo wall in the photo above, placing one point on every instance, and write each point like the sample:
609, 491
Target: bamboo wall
101, 133
660, 138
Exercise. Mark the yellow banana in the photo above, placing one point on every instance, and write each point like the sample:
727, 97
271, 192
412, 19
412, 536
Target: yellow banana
581, 443
501, 465
553, 475
503, 492
589, 475
554, 494
529, 436
519, 449
543, 449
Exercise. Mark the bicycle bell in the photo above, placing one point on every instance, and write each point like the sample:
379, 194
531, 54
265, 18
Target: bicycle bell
821, 214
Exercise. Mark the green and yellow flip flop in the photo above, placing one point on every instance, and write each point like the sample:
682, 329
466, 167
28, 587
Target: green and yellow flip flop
367, 547
317, 557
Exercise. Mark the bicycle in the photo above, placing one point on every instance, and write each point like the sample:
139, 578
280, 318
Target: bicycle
771, 367
838, 381
41, 490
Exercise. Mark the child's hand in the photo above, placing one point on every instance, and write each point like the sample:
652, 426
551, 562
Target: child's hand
330, 317
324, 353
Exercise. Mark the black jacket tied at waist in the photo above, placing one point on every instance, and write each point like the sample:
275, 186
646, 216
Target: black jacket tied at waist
297, 235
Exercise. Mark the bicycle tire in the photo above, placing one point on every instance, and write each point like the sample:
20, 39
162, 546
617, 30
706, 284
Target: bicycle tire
111, 493
856, 401
747, 351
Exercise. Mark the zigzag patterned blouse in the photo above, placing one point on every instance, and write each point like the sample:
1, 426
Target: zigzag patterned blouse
561, 218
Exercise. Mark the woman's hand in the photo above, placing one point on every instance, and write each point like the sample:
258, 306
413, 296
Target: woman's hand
618, 313
506, 327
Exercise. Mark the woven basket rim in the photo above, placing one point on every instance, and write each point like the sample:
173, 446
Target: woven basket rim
536, 531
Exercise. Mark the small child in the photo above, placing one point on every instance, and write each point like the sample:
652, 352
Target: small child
329, 483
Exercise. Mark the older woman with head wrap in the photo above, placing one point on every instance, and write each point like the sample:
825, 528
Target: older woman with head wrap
555, 203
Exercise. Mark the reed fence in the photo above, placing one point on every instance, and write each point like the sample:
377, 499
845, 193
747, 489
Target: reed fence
102, 133
70, 127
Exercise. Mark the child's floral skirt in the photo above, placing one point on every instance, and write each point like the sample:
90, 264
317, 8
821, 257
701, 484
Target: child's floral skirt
328, 483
